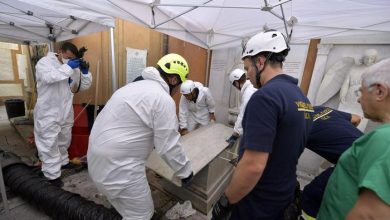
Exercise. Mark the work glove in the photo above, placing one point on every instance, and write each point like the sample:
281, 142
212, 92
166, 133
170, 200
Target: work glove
234, 161
74, 63
222, 209
84, 70
232, 139
187, 181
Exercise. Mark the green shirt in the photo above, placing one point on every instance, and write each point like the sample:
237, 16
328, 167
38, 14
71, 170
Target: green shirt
365, 165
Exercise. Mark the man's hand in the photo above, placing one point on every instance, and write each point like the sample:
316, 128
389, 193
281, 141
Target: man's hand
355, 119
222, 209
183, 131
84, 70
74, 63
211, 116
232, 139
369, 206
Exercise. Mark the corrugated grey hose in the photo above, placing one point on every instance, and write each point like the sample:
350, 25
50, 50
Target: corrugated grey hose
54, 201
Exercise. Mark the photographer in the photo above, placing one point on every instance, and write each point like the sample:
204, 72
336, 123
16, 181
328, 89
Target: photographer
56, 73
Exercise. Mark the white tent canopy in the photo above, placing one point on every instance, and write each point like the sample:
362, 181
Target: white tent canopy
24, 21
214, 24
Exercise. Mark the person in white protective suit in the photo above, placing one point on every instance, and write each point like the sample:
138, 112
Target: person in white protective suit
196, 106
238, 79
138, 118
56, 74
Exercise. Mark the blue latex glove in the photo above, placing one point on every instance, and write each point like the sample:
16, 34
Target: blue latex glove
74, 63
84, 71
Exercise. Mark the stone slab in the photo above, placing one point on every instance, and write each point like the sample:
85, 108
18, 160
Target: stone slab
202, 204
201, 146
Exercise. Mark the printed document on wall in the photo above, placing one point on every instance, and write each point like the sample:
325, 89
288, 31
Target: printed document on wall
135, 63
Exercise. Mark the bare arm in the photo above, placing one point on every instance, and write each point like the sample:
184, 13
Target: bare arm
369, 206
355, 119
248, 172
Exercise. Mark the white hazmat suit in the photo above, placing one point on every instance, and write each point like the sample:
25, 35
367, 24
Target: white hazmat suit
192, 114
138, 117
246, 92
53, 112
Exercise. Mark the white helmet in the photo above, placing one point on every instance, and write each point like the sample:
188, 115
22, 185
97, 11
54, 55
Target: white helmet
187, 87
270, 41
236, 75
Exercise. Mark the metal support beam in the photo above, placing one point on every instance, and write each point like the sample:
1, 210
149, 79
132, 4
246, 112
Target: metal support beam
220, 6
180, 14
113, 69
199, 32
284, 22
12, 24
127, 12
82, 27
186, 30
61, 31
51, 46
365, 28
30, 13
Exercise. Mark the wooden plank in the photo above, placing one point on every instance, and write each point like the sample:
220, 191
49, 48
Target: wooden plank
309, 65
196, 58
201, 147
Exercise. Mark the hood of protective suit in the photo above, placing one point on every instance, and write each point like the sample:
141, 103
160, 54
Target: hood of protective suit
247, 85
152, 73
53, 56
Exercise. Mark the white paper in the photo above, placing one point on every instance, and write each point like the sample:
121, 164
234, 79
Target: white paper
6, 70
135, 63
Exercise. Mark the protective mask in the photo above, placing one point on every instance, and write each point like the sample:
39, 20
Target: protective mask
65, 61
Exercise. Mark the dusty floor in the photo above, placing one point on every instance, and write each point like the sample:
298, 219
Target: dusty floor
76, 182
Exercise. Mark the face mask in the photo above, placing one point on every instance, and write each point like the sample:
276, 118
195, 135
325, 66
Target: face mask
65, 61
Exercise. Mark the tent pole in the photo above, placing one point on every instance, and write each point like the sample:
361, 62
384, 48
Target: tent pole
284, 21
180, 14
113, 72
208, 67
51, 46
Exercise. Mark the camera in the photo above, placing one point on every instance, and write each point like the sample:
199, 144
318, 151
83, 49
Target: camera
83, 63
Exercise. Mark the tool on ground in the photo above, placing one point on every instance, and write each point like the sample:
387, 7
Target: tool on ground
89, 101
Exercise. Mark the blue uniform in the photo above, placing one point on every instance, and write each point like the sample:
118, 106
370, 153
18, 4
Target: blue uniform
331, 135
277, 120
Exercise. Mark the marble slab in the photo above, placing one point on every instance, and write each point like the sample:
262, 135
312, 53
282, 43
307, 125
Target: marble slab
201, 147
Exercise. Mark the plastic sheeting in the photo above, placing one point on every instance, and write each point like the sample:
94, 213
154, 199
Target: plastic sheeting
25, 21
225, 23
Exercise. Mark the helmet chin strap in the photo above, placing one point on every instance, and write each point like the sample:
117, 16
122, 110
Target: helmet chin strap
259, 72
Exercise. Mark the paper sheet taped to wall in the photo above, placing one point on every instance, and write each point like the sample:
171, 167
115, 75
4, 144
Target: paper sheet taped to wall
135, 63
